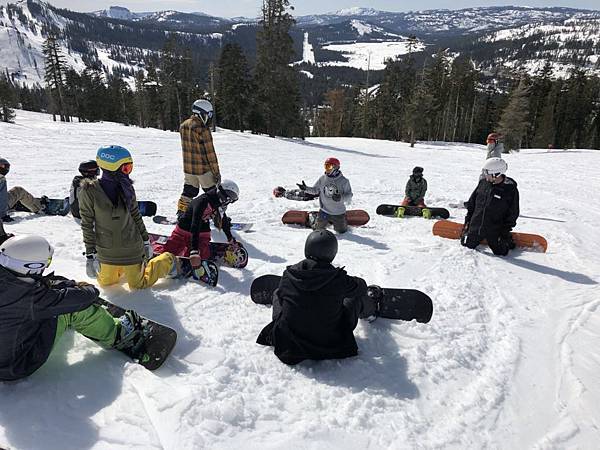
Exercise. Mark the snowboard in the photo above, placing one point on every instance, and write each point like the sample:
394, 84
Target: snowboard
398, 304
54, 207
220, 252
153, 347
453, 230
235, 226
429, 213
147, 209
294, 194
207, 274
355, 217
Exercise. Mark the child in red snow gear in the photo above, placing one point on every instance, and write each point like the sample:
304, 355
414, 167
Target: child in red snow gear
317, 306
416, 187
191, 236
35, 310
492, 209
88, 170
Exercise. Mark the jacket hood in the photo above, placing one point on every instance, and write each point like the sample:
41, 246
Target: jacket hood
88, 183
309, 275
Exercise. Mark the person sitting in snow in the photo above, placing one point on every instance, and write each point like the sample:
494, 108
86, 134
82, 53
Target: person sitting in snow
317, 306
334, 192
492, 209
416, 188
89, 170
35, 310
9, 198
191, 236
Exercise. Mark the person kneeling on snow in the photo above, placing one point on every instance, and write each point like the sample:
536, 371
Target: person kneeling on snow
9, 198
35, 310
191, 236
114, 234
334, 192
416, 188
317, 306
492, 209
89, 170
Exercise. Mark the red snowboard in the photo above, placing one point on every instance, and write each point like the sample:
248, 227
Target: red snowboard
355, 217
453, 230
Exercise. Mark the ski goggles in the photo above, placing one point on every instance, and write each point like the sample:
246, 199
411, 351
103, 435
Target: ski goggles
127, 168
491, 141
329, 167
492, 174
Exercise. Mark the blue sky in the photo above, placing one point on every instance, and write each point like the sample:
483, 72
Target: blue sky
251, 8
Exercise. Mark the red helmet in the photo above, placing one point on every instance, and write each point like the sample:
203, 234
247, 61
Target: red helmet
493, 137
333, 161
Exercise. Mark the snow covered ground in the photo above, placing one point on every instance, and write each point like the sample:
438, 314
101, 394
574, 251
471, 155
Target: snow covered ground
365, 55
508, 361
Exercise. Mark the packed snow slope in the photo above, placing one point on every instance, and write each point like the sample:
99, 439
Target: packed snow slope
508, 361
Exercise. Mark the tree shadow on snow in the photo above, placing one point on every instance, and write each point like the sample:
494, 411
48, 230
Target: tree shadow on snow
52, 409
378, 368
351, 236
337, 149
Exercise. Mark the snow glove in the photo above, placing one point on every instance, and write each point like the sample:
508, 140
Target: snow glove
92, 265
195, 259
302, 186
148, 250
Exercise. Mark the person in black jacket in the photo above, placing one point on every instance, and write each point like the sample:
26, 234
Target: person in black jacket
87, 169
492, 209
36, 310
317, 306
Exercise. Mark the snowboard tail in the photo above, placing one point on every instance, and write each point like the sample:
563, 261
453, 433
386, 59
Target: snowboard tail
393, 211
147, 209
397, 304
294, 194
155, 344
355, 217
235, 226
453, 230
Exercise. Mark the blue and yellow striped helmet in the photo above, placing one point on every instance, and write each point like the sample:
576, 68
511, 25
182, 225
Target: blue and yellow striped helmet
112, 157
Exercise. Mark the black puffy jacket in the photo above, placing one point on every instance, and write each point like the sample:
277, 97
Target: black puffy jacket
28, 319
313, 323
493, 209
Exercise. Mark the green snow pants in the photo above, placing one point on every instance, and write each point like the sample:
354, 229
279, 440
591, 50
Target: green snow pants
93, 322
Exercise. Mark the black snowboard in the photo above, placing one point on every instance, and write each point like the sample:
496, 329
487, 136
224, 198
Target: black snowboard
390, 211
157, 341
54, 207
294, 194
399, 304
147, 209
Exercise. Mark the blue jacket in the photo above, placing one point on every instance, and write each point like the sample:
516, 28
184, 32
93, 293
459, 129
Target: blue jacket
3, 196
29, 316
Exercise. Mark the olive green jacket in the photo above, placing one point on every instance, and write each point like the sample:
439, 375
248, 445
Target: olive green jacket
116, 234
415, 190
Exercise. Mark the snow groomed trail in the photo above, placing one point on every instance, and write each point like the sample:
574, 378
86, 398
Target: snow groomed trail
509, 360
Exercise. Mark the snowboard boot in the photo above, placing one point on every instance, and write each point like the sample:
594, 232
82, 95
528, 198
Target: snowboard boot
207, 272
400, 212
130, 335
375, 294
426, 213
44, 203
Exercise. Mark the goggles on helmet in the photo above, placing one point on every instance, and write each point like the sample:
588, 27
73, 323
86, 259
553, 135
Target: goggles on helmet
492, 174
490, 141
127, 168
329, 167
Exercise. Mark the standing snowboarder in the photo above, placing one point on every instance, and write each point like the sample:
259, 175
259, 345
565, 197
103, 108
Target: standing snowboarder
114, 234
88, 170
334, 192
200, 164
492, 209
416, 188
9, 198
191, 236
495, 148
35, 310
317, 306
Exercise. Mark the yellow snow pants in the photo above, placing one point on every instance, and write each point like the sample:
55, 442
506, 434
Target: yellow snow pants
137, 276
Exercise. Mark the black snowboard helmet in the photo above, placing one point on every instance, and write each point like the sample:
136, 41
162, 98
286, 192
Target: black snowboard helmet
418, 171
4, 166
321, 246
89, 169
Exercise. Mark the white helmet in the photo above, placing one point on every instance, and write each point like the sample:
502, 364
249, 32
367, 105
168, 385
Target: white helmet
203, 109
230, 190
495, 166
26, 255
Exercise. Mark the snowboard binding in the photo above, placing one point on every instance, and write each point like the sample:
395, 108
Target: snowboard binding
400, 212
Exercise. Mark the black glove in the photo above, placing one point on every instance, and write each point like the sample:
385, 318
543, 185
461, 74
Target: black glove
8, 219
302, 186
336, 197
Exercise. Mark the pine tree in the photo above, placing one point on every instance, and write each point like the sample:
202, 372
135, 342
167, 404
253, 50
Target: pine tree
54, 77
277, 85
7, 114
513, 122
234, 88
